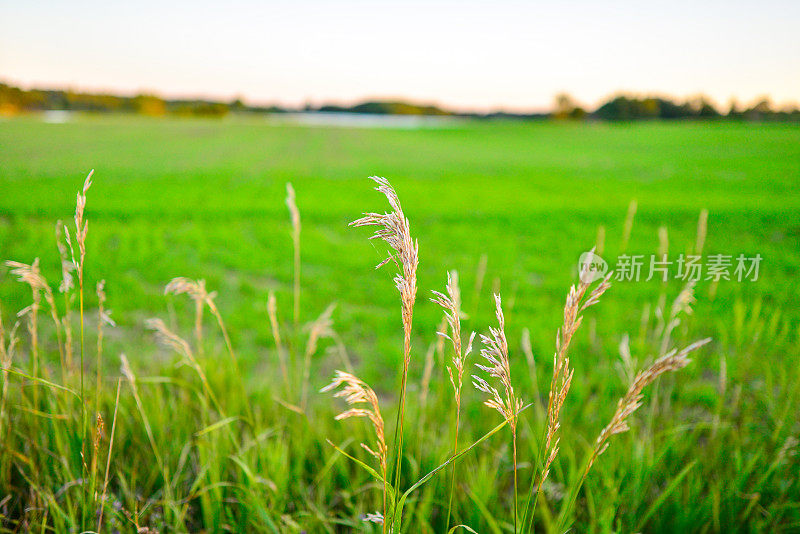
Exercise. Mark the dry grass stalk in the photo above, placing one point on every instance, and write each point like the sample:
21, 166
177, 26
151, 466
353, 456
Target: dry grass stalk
68, 343
81, 230
495, 352
127, 372
196, 290
172, 340
103, 317
439, 344
291, 203
6, 358
682, 305
341, 350
600, 241
108, 458
632, 399
527, 350
435, 347
562, 373
427, 370
627, 364
49, 297
272, 312
451, 303
98, 434
65, 287
67, 283
3, 354
702, 227
29, 274
663, 242
394, 229
480, 276
628, 227
322, 327
357, 392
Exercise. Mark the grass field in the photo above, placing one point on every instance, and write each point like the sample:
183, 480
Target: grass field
710, 451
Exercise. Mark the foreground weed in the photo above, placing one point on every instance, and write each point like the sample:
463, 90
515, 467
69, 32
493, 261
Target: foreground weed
451, 303
394, 229
495, 352
357, 392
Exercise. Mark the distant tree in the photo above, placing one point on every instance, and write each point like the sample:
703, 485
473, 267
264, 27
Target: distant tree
623, 107
760, 111
616, 109
386, 108
701, 106
149, 105
672, 110
733, 110
762, 106
566, 108
199, 108
238, 105
578, 113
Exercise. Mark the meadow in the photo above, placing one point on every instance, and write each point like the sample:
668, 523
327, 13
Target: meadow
508, 205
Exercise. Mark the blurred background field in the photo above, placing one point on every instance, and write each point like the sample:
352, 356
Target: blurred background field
204, 198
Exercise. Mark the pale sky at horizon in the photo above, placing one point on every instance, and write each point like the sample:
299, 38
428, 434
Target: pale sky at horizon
463, 55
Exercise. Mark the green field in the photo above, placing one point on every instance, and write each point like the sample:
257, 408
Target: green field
710, 451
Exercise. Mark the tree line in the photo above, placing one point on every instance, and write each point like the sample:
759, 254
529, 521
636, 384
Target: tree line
620, 107
628, 108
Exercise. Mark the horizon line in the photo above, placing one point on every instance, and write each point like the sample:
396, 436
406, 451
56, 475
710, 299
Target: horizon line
439, 103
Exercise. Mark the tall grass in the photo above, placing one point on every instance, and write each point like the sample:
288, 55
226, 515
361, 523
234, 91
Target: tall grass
394, 229
173, 447
451, 303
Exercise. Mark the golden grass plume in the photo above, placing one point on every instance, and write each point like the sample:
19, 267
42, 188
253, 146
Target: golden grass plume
632, 400
562, 372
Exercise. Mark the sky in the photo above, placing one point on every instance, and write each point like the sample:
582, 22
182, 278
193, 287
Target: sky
463, 55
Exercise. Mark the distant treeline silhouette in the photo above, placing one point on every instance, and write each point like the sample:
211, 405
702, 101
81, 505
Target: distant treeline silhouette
622, 107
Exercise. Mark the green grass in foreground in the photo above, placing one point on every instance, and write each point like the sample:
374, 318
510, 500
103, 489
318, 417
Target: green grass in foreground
709, 451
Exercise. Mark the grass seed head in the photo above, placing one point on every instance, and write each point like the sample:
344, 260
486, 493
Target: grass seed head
195, 289
393, 228
632, 400
495, 352
169, 338
82, 225
375, 517
67, 266
29, 274
357, 392
562, 372
451, 303
702, 227
291, 204
321, 327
